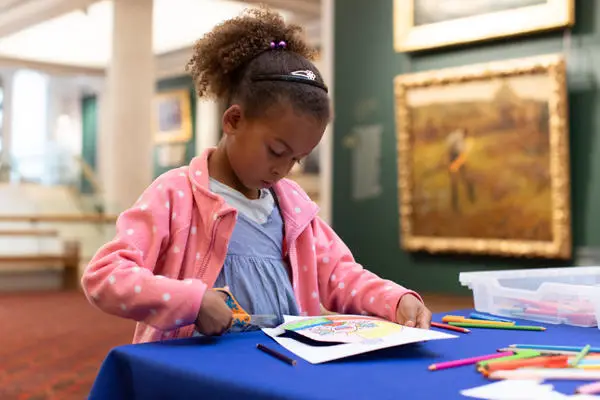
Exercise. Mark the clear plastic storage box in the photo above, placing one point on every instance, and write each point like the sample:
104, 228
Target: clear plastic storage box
552, 295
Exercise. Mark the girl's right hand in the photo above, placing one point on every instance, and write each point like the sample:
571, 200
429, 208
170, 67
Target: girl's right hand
214, 317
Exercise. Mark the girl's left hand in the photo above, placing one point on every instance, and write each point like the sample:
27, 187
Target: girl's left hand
413, 313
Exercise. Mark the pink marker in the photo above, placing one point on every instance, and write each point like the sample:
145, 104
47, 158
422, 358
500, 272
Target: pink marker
468, 361
590, 388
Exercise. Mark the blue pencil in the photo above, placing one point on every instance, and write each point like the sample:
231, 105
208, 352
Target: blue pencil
549, 347
488, 318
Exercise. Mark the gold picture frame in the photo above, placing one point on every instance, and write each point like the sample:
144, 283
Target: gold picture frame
512, 196
172, 117
413, 31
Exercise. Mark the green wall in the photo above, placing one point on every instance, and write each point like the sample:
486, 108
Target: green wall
365, 66
89, 133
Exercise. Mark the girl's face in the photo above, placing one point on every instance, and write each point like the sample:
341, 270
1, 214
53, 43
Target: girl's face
263, 150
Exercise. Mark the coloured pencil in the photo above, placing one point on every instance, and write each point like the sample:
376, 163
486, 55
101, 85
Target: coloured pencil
449, 327
466, 361
581, 354
543, 352
588, 366
276, 354
587, 360
519, 356
553, 347
488, 318
539, 362
513, 327
454, 318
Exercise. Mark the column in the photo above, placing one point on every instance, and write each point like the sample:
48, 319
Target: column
54, 161
208, 124
7, 112
326, 146
127, 145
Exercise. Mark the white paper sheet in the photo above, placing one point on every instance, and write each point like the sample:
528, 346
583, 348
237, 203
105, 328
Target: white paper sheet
378, 335
510, 390
515, 389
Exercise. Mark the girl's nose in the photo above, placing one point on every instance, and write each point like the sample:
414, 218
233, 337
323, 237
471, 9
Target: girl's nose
281, 170
275, 172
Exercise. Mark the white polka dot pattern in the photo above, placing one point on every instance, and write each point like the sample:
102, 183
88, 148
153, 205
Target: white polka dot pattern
165, 235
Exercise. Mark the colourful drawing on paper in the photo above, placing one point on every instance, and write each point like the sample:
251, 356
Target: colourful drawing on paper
344, 329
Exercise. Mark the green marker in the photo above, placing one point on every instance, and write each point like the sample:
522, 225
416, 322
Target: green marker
520, 355
512, 327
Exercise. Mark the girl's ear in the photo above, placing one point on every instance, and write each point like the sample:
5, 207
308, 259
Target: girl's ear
232, 118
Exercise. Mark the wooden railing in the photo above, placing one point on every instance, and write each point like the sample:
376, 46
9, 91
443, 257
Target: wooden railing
61, 218
90, 175
69, 259
29, 232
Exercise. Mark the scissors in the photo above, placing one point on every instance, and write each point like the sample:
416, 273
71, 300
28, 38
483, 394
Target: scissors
241, 319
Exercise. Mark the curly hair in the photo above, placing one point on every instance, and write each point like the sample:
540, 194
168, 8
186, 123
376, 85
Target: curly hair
226, 59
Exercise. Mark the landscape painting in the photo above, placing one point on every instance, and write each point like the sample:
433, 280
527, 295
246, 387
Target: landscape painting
433, 11
483, 156
428, 24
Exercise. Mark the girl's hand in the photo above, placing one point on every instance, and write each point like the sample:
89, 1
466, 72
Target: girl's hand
214, 317
413, 313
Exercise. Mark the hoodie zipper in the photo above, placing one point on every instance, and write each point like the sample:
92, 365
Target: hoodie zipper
213, 235
204, 265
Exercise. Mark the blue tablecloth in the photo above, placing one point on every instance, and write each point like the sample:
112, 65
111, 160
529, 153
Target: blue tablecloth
232, 367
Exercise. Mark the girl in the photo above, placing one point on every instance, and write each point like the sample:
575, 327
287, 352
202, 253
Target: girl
229, 219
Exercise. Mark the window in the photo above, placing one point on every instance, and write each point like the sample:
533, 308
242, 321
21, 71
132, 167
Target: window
29, 122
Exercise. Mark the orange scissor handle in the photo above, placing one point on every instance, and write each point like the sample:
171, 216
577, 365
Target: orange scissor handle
240, 317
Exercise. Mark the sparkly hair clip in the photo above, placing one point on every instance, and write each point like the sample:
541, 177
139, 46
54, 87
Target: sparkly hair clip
307, 77
279, 45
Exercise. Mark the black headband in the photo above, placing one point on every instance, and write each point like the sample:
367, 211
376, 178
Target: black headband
306, 77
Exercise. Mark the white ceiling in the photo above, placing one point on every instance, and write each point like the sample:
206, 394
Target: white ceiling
83, 37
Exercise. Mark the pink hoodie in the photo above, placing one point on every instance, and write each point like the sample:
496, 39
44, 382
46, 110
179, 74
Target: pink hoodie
171, 245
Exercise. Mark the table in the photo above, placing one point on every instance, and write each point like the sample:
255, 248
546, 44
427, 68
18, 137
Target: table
232, 367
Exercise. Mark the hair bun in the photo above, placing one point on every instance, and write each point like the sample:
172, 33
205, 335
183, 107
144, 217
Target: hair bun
221, 54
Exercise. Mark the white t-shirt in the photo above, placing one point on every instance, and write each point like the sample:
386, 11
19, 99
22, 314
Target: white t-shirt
257, 210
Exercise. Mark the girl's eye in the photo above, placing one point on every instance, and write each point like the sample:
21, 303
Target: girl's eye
273, 152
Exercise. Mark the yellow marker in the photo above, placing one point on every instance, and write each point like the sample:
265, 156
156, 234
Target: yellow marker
456, 318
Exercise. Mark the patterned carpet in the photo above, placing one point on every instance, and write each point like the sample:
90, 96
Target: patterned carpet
53, 344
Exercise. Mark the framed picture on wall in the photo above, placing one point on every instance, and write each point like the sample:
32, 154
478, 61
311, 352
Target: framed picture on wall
483, 159
427, 24
172, 117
